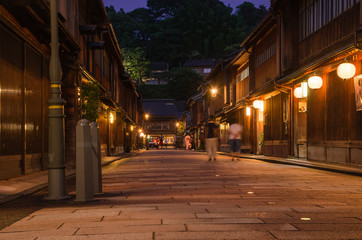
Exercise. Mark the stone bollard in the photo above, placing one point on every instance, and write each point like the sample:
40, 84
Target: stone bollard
84, 171
96, 159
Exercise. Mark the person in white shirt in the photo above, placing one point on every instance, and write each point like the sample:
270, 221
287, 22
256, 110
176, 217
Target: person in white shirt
235, 131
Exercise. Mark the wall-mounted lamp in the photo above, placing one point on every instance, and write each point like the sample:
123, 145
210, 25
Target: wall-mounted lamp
132, 128
213, 92
111, 118
261, 106
315, 82
177, 124
147, 116
346, 70
248, 111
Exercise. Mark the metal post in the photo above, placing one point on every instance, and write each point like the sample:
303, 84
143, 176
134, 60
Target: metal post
84, 181
96, 158
56, 167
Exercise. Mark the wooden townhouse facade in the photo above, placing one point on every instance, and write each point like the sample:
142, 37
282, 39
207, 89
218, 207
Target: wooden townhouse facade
267, 86
89, 53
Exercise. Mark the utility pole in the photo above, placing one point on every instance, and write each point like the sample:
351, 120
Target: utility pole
56, 166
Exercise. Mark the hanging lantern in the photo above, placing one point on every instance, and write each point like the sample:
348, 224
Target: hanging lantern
315, 82
346, 70
256, 104
248, 111
298, 92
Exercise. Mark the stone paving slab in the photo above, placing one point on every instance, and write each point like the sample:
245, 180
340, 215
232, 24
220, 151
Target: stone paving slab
179, 195
210, 235
320, 235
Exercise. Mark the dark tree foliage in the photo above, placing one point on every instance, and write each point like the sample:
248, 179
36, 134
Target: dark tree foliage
182, 84
176, 30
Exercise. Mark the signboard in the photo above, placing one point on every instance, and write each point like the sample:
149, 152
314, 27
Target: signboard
358, 92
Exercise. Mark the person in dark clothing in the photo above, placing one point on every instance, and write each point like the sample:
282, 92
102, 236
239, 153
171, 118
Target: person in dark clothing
211, 139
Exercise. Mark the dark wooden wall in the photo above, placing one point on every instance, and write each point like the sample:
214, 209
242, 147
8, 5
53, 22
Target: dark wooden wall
23, 123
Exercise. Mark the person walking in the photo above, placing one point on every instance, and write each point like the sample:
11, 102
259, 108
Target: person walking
235, 131
161, 141
211, 140
187, 141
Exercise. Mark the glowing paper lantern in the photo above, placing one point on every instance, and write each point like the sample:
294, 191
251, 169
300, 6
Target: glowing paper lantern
315, 82
346, 70
298, 92
256, 104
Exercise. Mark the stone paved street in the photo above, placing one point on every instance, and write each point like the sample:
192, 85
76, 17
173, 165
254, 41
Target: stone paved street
174, 194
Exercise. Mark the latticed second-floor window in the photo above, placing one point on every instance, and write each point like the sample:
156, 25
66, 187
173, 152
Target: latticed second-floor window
265, 55
244, 74
314, 14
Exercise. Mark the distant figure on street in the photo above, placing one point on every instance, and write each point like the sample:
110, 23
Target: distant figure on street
211, 140
161, 141
166, 142
188, 141
235, 132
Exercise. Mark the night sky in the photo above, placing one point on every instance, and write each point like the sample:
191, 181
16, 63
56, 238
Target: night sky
129, 5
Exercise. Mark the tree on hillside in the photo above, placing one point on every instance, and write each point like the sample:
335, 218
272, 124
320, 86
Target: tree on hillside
184, 83
136, 63
173, 31
248, 16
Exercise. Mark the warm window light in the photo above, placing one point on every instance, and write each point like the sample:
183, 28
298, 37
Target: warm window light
346, 70
298, 92
315, 82
111, 117
248, 111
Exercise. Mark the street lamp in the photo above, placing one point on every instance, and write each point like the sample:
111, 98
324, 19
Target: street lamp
147, 116
56, 164
213, 92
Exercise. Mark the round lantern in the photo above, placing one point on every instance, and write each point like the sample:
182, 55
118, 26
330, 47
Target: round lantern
315, 82
346, 70
256, 104
298, 92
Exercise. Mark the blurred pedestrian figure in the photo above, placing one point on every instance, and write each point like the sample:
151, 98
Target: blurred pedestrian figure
155, 141
235, 132
187, 141
166, 142
211, 140
161, 141
192, 142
